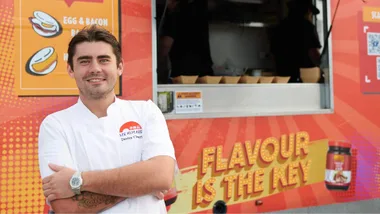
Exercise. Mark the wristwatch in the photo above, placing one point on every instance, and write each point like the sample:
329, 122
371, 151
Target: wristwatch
76, 182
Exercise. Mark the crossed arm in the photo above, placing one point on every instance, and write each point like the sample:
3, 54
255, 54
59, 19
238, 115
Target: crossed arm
103, 189
87, 202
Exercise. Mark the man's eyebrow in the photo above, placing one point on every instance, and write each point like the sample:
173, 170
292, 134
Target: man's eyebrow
84, 57
103, 56
90, 57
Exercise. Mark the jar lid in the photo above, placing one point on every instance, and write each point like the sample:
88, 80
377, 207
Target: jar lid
340, 144
345, 144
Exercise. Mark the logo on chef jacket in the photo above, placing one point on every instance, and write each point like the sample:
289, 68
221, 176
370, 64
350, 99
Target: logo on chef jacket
130, 130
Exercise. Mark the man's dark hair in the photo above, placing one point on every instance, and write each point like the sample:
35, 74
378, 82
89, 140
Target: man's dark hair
93, 33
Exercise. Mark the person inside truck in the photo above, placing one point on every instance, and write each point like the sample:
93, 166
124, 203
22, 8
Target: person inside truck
184, 40
295, 43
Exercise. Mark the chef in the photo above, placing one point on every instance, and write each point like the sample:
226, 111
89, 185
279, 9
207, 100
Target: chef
295, 43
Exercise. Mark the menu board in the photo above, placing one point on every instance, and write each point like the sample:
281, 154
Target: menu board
43, 30
369, 49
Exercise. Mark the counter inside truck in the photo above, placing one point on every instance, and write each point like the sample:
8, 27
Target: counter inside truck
241, 150
244, 45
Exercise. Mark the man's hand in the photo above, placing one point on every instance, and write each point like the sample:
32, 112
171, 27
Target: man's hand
160, 195
57, 185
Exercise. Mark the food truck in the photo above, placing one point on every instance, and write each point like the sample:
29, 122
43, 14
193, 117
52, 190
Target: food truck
245, 139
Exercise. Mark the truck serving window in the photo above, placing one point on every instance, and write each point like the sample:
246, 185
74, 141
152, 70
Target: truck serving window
239, 58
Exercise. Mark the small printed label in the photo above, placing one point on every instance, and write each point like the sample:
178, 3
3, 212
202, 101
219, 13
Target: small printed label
188, 102
338, 169
338, 178
131, 130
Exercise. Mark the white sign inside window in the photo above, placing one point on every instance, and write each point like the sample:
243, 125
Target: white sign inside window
188, 102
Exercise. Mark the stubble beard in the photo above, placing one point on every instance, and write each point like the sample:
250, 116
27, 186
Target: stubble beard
96, 93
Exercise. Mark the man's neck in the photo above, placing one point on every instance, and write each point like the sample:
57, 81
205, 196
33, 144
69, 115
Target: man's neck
98, 106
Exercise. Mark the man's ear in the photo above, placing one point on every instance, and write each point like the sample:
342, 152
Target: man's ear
70, 71
120, 67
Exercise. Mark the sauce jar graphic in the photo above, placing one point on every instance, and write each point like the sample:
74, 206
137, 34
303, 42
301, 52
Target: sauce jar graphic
338, 166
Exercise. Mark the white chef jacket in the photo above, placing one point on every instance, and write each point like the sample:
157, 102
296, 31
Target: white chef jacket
132, 131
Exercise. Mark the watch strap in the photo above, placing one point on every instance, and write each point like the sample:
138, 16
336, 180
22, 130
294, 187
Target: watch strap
77, 191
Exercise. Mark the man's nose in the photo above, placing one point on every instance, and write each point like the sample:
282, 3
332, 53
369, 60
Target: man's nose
95, 67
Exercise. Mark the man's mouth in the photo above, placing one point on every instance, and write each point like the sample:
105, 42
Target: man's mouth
94, 80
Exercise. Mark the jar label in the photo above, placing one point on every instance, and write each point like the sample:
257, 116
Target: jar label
338, 170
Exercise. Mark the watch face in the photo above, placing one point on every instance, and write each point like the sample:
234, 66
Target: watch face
75, 182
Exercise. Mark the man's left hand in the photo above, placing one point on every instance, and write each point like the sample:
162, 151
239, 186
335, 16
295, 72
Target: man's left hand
161, 194
57, 186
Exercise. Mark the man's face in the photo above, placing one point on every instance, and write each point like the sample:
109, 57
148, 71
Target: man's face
95, 69
309, 15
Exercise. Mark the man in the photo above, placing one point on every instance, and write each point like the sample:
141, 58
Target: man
104, 154
185, 40
295, 41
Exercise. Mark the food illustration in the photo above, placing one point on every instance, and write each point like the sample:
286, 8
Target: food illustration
45, 25
42, 62
339, 177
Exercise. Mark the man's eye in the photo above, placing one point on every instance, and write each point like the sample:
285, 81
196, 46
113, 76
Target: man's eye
104, 60
84, 61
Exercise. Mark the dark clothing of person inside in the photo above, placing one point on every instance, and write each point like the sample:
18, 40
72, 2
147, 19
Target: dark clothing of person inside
292, 41
189, 29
